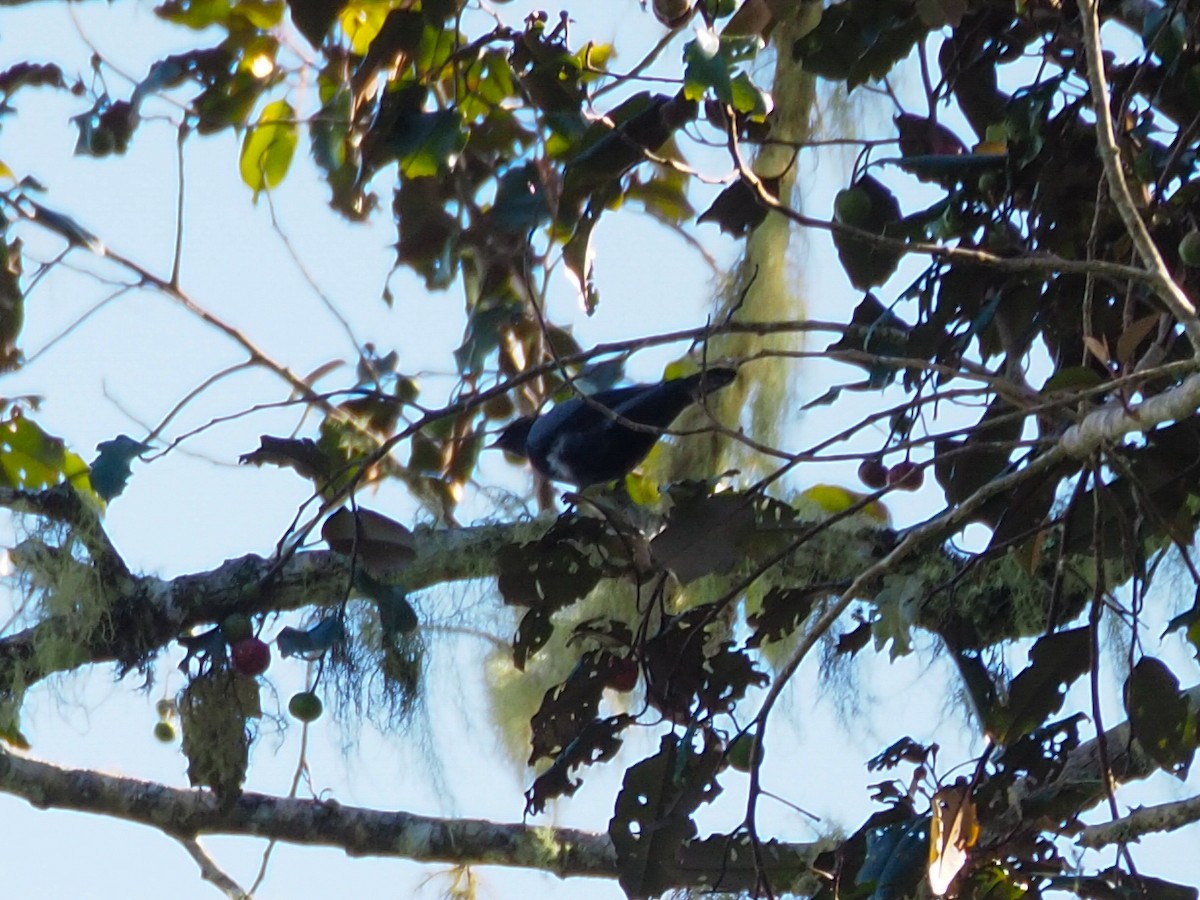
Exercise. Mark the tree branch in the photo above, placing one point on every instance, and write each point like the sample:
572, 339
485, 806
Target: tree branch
1080, 785
211, 872
158, 610
185, 814
566, 852
1147, 820
1160, 280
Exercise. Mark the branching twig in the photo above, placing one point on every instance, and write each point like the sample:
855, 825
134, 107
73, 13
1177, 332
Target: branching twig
1110, 156
211, 872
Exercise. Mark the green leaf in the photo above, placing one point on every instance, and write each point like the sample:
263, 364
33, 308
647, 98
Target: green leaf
705, 67
12, 303
268, 148
1055, 661
897, 606
749, 99
578, 256
867, 205
653, 814
362, 21
1161, 716
32, 459
195, 14
520, 203
429, 143
314, 18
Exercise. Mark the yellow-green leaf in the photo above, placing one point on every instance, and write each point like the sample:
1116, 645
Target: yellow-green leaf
361, 21
32, 459
833, 499
269, 146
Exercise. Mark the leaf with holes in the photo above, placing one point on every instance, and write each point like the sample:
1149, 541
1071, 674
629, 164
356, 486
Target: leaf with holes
704, 533
1037, 692
653, 815
597, 741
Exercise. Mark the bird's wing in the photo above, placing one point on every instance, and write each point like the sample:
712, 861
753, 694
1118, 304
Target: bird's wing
579, 416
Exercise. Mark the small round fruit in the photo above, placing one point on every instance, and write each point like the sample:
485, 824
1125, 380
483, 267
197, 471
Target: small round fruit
250, 656
165, 732
991, 183
740, 751
852, 206
906, 476
624, 675
305, 706
236, 627
873, 473
166, 709
499, 407
1189, 248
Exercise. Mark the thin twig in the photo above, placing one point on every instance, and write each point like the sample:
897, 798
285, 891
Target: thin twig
1157, 276
211, 872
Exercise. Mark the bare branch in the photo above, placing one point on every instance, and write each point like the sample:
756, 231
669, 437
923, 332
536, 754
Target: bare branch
1111, 423
211, 872
1147, 820
358, 831
1160, 279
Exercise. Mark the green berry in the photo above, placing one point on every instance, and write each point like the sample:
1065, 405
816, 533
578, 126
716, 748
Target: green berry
165, 732
1189, 248
305, 706
852, 206
236, 627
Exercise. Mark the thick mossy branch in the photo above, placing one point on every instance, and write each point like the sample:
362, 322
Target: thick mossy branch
973, 600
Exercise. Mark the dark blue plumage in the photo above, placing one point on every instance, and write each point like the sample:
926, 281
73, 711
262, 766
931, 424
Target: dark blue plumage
587, 441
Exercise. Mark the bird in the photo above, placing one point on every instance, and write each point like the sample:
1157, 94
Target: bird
589, 440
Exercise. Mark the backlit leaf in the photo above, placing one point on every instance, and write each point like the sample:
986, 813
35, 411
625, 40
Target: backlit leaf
268, 147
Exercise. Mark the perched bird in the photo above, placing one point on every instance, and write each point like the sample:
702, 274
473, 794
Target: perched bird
589, 440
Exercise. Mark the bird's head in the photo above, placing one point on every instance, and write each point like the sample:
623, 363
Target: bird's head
513, 438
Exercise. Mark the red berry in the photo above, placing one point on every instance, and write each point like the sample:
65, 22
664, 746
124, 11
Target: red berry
623, 676
906, 476
250, 656
873, 473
